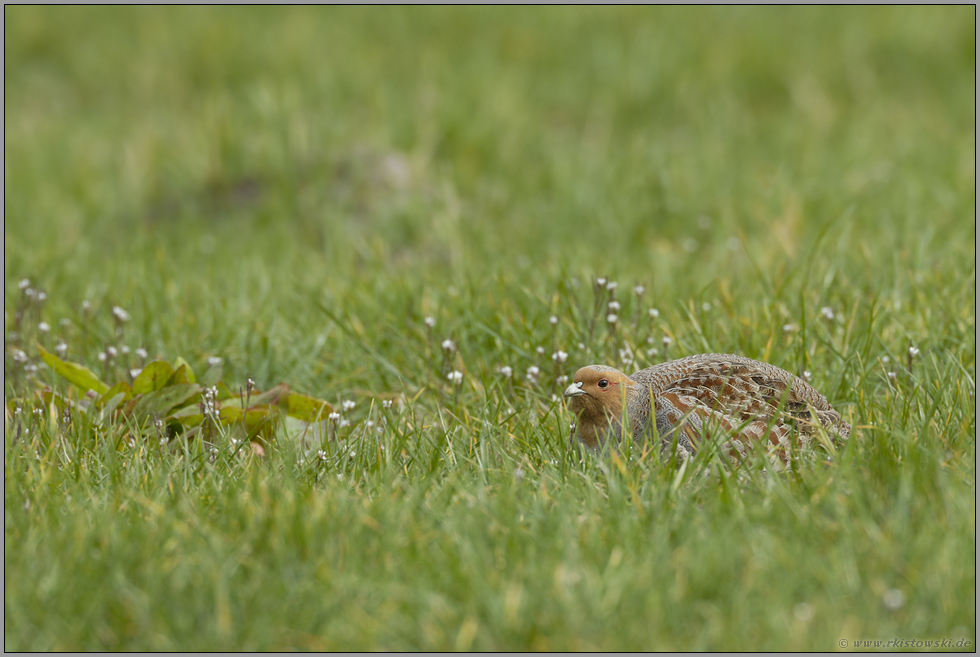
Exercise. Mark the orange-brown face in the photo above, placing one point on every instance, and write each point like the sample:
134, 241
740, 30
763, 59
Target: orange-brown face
596, 397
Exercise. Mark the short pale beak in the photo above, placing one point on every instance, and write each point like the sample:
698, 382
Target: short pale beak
574, 390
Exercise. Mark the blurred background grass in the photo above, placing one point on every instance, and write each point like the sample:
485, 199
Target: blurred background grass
219, 172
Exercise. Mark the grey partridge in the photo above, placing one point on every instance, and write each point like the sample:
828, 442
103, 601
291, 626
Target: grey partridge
747, 401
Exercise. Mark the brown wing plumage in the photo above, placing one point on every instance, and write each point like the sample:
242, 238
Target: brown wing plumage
749, 400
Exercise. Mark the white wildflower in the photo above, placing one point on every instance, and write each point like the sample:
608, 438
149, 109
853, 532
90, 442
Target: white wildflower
43, 327
120, 314
559, 356
789, 328
654, 313
448, 345
506, 371
24, 284
612, 285
667, 341
894, 599
456, 377
612, 318
913, 352
141, 353
111, 352
613, 306
334, 416
639, 290
803, 612
562, 380
827, 312
214, 361
19, 355
600, 282
348, 405
553, 320
430, 322
532, 373
135, 372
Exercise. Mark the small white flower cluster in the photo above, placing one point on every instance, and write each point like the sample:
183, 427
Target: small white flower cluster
209, 405
448, 345
654, 313
430, 322
559, 356
532, 373
455, 377
121, 315
913, 352
827, 312
348, 405
506, 371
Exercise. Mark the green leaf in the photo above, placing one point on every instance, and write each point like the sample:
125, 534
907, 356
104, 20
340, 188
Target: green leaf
179, 376
120, 388
188, 416
306, 408
153, 377
188, 371
75, 374
271, 396
160, 402
212, 375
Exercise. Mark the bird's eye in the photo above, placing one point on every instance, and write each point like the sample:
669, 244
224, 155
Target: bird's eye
603, 384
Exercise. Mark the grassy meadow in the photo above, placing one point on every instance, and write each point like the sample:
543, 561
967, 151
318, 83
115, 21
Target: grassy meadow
326, 196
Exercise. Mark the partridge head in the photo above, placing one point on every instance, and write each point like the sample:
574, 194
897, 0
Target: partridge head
598, 396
